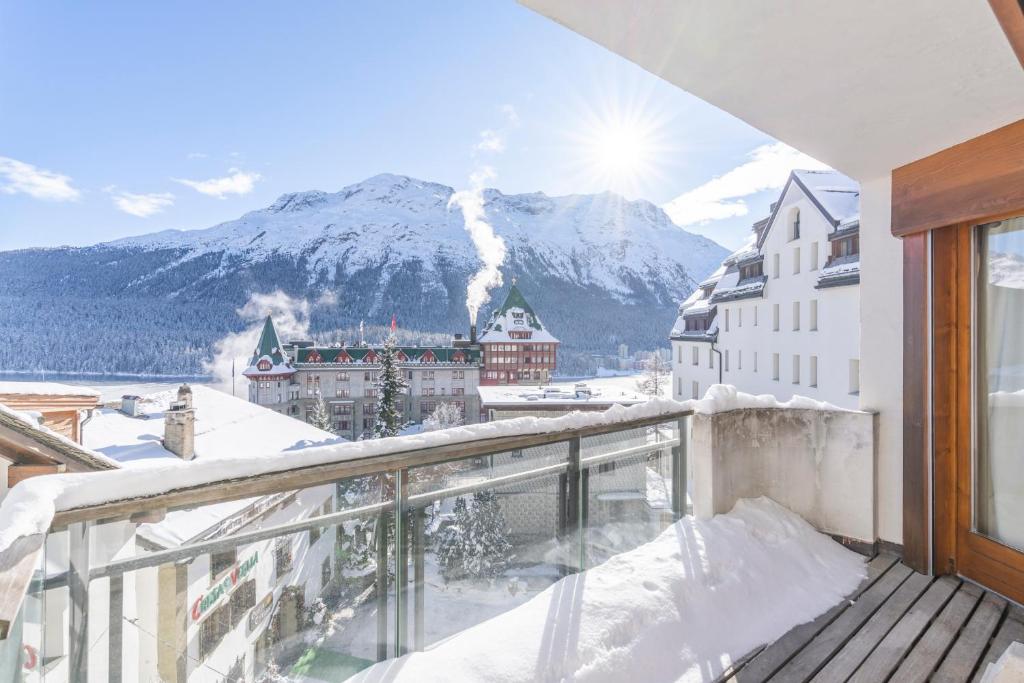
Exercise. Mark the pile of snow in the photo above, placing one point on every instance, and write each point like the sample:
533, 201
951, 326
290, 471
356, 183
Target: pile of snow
1008, 668
681, 608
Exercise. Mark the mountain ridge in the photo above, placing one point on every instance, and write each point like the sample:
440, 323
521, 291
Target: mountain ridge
603, 268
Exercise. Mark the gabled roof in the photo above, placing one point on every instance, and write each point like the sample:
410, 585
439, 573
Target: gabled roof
39, 444
515, 314
835, 195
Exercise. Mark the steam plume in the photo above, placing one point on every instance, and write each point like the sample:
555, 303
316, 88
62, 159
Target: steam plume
291, 318
489, 246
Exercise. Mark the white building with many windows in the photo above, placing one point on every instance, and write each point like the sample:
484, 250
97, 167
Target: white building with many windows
781, 315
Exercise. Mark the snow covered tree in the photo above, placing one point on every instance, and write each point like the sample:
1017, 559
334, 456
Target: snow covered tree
657, 377
444, 416
390, 388
321, 415
489, 550
451, 543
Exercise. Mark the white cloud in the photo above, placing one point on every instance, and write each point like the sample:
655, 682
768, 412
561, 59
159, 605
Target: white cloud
491, 141
143, 205
236, 182
17, 177
511, 115
722, 197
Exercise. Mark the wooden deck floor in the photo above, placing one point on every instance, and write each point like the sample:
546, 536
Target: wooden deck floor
898, 625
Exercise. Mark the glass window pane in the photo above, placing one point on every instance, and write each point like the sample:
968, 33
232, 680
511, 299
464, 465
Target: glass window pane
999, 465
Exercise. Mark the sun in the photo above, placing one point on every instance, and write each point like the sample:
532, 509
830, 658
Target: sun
620, 149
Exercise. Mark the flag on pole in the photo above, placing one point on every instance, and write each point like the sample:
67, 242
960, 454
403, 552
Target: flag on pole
394, 322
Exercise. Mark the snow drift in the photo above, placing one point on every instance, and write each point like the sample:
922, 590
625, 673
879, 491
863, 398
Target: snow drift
680, 608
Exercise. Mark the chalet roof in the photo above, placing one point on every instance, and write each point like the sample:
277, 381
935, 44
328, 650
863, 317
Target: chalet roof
835, 195
269, 348
40, 444
515, 313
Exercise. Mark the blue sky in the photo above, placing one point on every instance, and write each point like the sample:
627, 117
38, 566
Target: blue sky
123, 118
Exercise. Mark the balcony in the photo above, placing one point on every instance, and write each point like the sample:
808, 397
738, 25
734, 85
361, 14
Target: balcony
527, 549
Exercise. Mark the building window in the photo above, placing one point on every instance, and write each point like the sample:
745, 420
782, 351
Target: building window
739, 316
813, 323
314, 535
775, 266
342, 377
775, 317
796, 369
755, 315
606, 467
458, 391
696, 354
679, 387
727, 320
794, 224
342, 392
727, 360
813, 379
854, 376
459, 374
282, 556
796, 260
814, 255
325, 573
221, 562
242, 600
775, 367
796, 316
213, 630
679, 354
755, 361
711, 358
739, 359
695, 386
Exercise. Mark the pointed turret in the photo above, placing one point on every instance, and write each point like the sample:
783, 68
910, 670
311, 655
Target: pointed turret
515, 320
269, 358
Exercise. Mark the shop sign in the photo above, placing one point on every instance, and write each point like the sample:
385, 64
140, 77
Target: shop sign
223, 587
258, 613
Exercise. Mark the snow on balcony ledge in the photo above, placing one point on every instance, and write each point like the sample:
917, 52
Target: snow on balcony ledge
683, 607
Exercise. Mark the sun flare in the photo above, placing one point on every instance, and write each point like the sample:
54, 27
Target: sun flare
620, 149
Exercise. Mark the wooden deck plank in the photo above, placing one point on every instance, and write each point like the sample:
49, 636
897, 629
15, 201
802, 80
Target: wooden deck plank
968, 648
886, 657
929, 651
1011, 629
834, 636
775, 655
842, 665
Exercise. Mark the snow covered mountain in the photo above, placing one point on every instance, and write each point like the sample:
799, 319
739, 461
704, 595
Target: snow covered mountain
601, 268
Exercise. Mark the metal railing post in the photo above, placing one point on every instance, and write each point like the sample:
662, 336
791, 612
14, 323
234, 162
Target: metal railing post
679, 472
401, 562
78, 599
383, 521
115, 660
419, 575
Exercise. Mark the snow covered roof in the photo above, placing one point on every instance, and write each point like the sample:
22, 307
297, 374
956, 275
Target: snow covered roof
841, 271
226, 428
516, 316
269, 357
553, 396
46, 443
837, 193
745, 289
45, 389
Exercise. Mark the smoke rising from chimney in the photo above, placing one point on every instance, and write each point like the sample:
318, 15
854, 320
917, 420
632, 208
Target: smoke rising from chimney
490, 247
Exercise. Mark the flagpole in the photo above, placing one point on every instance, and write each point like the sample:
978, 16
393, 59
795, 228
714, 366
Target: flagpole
233, 377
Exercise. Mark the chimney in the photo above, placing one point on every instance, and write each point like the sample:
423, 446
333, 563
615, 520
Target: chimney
180, 425
472, 334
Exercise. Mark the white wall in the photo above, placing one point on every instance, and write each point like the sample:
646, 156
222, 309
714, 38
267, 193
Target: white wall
881, 369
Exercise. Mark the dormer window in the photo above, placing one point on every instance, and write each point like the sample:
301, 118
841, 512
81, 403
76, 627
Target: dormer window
264, 365
794, 224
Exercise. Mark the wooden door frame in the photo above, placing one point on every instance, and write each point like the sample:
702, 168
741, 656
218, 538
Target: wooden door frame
935, 203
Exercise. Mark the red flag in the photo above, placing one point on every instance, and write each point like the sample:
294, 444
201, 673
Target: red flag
394, 323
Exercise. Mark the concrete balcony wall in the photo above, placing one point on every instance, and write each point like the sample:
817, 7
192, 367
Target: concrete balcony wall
818, 463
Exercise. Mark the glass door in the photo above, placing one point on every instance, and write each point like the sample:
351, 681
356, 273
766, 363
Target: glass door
990, 524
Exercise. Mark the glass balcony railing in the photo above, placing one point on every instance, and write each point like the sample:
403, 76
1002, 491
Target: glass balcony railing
297, 577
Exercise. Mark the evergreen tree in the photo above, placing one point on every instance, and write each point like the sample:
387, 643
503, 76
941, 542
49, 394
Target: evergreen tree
391, 386
444, 416
451, 543
489, 550
321, 415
